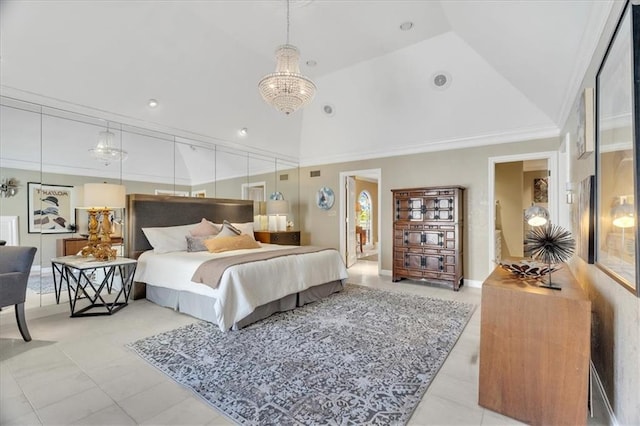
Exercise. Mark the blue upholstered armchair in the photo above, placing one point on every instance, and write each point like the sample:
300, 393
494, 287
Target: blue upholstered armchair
15, 266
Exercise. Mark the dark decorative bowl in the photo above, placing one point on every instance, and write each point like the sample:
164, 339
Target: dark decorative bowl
524, 269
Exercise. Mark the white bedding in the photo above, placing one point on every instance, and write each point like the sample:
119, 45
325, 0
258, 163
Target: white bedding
242, 287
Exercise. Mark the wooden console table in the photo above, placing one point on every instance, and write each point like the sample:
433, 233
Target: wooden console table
535, 349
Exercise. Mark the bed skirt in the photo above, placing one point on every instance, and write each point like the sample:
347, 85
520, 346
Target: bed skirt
201, 307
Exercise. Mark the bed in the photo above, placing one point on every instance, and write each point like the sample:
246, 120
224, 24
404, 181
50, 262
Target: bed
247, 292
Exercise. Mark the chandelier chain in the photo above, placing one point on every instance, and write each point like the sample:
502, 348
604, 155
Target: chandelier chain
287, 21
287, 89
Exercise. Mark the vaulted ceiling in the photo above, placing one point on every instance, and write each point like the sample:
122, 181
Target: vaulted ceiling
514, 68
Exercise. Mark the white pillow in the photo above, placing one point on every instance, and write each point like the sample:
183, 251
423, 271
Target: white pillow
168, 238
245, 228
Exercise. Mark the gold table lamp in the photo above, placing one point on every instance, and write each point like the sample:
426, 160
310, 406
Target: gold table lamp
100, 199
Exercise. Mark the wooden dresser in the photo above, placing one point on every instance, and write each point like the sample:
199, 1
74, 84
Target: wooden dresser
534, 349
291, 238
427, 234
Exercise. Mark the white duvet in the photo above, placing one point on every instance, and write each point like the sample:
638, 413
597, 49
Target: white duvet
242, 287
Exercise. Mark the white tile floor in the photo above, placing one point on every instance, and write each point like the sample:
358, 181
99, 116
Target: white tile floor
78, 371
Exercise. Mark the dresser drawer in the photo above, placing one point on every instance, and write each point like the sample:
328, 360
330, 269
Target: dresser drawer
291, 238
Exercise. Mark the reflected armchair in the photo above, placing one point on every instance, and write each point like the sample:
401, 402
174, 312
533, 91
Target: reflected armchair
15, 266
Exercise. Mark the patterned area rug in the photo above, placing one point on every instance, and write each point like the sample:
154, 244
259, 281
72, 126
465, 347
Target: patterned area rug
41, 284
361, 356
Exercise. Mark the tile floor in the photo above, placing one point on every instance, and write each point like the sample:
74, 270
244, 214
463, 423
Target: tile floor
78, 371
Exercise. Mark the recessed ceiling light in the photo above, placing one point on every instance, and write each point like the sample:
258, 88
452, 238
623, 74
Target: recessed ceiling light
406, 26
311, 63
244, 131
153, 103
328, 109
441, 80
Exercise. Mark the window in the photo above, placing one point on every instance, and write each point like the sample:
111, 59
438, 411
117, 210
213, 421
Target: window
363, 208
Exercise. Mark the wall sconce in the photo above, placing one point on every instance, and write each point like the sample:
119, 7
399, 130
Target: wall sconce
536, 215
9, 187
570, 192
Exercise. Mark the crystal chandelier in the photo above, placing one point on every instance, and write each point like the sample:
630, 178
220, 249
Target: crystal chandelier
287, 89
106, 151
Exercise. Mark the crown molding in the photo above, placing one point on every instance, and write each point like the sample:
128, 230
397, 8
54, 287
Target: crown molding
434, 146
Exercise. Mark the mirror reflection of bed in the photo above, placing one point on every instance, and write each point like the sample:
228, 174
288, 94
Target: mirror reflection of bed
247, 292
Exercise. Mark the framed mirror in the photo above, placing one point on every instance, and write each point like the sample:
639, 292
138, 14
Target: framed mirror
617, 151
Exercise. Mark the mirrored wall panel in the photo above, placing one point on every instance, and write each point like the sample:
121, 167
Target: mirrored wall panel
48, 155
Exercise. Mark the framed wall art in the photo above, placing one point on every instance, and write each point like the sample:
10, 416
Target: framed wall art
585, 220
585, 139
49, 208
541, 190
617, 153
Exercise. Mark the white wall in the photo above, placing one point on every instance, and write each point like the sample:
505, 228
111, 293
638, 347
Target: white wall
465, 167
616, 312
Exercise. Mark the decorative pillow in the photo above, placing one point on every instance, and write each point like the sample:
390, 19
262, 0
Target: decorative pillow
197, 243
245, 228
228, 243
228, 230
204, 228
169, 238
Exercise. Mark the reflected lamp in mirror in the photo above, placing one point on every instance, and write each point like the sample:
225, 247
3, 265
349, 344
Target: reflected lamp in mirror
106, 151
9, 187
101, 199
536, 215
623, 215
260, 218
277, 211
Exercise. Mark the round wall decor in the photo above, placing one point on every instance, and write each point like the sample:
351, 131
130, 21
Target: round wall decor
325, 198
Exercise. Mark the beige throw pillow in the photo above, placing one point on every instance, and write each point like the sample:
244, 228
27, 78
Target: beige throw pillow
232, 242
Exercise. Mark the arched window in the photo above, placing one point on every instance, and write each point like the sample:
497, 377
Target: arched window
364, 212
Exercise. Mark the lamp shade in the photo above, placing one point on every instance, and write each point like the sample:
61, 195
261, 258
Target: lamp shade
536, 215
276, 207
623, 215
100, 195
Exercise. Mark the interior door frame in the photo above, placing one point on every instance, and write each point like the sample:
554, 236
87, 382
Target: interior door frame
372, 173
554, 192
351, 246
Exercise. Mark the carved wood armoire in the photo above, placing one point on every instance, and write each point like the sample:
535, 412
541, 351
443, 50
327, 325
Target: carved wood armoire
428, 234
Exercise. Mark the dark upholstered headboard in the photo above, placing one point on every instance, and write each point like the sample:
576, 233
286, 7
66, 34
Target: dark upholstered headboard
162, 210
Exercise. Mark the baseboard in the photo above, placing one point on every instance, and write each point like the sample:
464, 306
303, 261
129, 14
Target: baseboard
468, 283
600, 389
473, 283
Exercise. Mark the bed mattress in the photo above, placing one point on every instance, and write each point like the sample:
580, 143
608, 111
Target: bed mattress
243, 288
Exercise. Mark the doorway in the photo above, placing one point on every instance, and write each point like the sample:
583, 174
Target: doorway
360, 213
516, 182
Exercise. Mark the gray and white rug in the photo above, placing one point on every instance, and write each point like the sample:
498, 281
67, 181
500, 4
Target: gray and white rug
361, 356
41, 284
